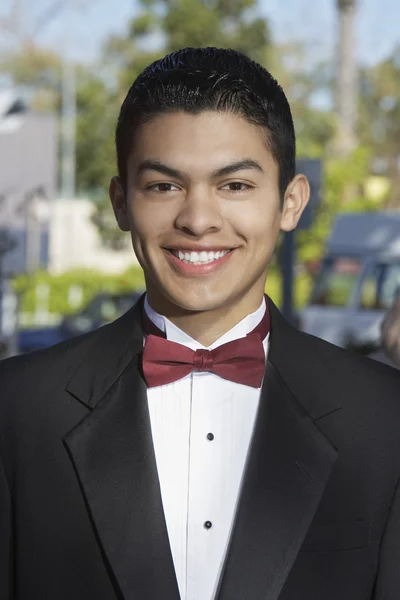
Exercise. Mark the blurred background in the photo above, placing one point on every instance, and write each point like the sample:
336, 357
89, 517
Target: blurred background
65, 68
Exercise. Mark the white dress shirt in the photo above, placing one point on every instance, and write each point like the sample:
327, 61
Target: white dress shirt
200, 478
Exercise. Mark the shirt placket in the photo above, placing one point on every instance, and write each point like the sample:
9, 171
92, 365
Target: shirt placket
201, 516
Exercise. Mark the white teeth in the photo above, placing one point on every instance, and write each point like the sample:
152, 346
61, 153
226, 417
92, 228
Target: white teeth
200, 258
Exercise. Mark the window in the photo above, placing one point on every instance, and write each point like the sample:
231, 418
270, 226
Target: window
336, 282
390, 285
381, 287
369, 290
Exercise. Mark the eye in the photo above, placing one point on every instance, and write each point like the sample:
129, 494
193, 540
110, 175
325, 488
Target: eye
236, 186
163, 187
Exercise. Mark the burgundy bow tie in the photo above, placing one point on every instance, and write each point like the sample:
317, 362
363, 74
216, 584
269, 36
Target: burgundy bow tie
241, 361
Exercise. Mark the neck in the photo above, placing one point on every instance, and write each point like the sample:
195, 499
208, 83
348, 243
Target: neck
208, 326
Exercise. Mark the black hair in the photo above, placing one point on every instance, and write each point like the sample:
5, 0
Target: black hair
193, 80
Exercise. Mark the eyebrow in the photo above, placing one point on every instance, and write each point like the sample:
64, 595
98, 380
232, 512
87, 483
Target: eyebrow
156, 165
240, 165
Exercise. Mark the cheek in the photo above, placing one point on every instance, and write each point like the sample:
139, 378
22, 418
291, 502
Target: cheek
146, 220
257, 224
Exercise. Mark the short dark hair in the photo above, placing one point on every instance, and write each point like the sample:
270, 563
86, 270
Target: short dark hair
194, 80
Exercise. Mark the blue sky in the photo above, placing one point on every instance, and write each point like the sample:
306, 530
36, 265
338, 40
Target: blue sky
313, 21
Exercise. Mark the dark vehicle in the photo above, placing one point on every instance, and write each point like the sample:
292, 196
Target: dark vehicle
358, 282
102, 309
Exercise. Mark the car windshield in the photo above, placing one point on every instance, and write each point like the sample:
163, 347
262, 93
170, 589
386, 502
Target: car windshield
102, 309
336, 281
380, 286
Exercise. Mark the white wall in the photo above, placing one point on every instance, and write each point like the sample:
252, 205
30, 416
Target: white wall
75, 241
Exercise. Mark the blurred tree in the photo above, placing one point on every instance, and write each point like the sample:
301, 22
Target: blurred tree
379, 122
37, 70
97, 111
162, 26
339, 174
90, 281
305, 84
166, 25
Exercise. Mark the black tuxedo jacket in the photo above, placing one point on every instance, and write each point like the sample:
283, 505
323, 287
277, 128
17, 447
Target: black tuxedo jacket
81, 515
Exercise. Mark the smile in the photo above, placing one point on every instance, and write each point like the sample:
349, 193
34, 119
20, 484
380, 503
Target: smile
199, 258
192, 263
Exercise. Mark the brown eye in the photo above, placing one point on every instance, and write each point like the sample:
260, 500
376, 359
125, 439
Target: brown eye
237, 186
163, 187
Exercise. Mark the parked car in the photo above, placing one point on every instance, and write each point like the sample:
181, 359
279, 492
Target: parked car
102, 309
8, 317
358, 281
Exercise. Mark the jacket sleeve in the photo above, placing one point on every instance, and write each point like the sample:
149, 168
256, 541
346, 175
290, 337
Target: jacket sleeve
388, 579
5, 538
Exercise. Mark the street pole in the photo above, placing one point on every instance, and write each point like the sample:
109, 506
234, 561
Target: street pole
68, 113
68, 129
7, 337
288, 262
347, 84
37, 214
33, 239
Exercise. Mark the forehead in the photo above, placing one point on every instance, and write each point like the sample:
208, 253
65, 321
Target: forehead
204, 140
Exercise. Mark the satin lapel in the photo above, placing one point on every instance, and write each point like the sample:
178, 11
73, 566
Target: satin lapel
289, 465
112, 452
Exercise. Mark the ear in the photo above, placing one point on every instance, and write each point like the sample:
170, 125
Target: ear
118, 201
296, 199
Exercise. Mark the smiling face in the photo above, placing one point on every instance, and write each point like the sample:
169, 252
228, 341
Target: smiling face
203, 206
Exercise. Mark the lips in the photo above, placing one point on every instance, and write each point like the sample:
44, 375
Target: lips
199, 257
203, 262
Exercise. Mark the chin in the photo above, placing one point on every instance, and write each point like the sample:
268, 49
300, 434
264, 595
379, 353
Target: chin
200, 301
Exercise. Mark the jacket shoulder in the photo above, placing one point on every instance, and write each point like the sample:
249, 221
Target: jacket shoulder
357, 379
25, 370
360, 365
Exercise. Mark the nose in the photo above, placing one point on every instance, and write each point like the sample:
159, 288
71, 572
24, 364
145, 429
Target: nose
200, 213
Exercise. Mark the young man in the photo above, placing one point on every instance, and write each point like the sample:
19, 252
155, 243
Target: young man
200, 448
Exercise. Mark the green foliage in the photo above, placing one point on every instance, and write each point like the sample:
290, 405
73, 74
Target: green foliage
302, 288
177, 23
161, 26
90, 282
222, 23
339, 176
191, 20
97, 112
379, 118
33, 66
315, 130
104, 219
142, 25
93, 282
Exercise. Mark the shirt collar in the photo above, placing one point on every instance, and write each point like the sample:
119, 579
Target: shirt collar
175, 334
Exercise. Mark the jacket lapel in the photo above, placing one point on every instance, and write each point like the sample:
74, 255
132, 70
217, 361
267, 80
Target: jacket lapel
112, 452
289, 464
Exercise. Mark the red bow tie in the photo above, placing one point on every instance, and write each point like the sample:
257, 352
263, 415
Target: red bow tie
241, 361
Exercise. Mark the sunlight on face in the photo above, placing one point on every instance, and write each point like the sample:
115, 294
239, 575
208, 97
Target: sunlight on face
204, 211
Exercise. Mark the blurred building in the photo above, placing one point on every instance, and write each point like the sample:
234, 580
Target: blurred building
75, 241
28, 176
36, 229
